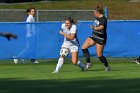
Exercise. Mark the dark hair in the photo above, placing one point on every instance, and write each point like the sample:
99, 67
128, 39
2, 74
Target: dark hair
71, 20
99, 9
29, 9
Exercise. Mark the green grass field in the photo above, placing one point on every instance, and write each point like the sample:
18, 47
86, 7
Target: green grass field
37, 78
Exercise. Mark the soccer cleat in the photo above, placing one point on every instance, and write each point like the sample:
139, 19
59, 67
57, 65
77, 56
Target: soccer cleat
87, 66
15, 61
35, 62
136, 61
55, 71
107, 68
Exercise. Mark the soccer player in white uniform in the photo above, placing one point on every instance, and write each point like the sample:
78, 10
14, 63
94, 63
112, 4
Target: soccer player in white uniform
70, 44
29, 33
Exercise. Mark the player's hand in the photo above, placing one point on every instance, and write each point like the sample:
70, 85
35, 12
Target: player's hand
9, 36
61, 32
92, 27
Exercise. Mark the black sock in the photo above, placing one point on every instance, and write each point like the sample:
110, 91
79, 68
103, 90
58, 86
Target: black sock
86, 55
104, 61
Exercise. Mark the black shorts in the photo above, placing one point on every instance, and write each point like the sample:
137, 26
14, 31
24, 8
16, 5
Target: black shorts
98, 41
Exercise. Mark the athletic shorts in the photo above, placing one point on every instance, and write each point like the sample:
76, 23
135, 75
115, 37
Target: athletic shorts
72, 48
98, 41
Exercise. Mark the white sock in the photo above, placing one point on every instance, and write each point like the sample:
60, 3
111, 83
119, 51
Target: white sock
80, 64
59, 64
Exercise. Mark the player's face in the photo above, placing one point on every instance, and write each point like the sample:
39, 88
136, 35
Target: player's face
67, 24
96, 13
33, 11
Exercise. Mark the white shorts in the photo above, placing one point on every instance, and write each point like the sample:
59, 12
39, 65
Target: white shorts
72, 48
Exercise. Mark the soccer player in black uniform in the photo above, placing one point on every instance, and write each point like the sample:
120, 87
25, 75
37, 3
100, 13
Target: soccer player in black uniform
98, 38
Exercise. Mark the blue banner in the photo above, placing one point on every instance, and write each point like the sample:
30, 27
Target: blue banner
42, 40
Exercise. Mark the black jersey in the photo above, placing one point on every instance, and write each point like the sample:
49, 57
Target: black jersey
100, 35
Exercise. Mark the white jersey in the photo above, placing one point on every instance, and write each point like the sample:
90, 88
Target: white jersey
30, 18
30, 27
72, 30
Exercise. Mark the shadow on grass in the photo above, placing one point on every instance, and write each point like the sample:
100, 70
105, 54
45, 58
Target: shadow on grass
89, 85
91, 70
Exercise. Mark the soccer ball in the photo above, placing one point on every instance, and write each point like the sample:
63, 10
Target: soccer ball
64, 52
96, 23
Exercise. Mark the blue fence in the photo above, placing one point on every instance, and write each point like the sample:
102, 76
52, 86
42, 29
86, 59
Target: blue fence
42, 40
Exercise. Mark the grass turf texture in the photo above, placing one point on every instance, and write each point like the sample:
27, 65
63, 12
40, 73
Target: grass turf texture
37, 78
32, 78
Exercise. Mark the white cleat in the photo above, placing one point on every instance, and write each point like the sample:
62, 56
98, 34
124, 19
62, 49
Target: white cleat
107, 68
15, 61
35, 62
55, 71
88, 65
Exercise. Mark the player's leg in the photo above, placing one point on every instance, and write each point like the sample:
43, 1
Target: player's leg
99, 51
24, 51
75, 60
88, 43
74, 53
60, 62
33, 48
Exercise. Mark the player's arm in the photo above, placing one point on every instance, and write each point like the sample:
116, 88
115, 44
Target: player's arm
101, 27
70, 37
